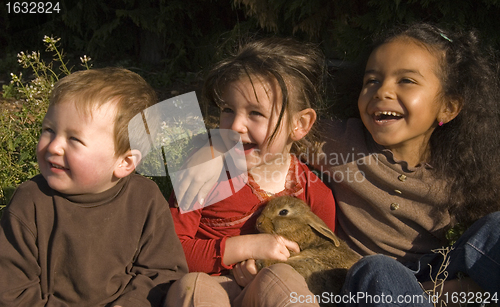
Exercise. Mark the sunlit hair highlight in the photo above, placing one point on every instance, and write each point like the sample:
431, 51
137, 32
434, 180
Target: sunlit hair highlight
297, 67
90, 89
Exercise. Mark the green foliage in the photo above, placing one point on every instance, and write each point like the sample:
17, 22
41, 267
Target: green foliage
8, 64
454, 233
177, 137
20, 129
10, 91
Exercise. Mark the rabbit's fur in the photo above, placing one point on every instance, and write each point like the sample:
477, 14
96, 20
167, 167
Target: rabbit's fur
323, 260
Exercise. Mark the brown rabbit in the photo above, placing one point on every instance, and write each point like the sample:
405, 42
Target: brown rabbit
323, 259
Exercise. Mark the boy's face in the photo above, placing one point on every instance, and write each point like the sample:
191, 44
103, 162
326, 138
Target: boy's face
76, 152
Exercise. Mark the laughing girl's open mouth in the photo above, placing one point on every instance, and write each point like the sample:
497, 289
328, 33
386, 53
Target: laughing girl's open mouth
247, 147
384, 116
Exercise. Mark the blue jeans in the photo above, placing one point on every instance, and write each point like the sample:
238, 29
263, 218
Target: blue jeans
382, 281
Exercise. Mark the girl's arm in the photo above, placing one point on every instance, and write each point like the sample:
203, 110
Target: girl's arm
258, 246
214, 254
246, 248
202, 255
218, 254
193, 185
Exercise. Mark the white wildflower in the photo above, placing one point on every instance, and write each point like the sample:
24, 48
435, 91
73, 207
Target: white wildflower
85, 59
50, 40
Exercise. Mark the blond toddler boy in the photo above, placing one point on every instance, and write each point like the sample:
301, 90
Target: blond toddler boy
88, 231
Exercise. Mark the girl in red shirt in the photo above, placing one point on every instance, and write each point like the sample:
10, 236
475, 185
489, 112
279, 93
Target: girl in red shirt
267, 93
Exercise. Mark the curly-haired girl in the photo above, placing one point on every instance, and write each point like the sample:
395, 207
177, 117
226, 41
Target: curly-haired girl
429, 126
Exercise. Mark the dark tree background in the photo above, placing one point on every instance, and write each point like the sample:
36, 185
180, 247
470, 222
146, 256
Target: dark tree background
171, 42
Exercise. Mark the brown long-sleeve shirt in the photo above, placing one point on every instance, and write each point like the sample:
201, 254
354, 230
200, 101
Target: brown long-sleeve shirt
384, 205
116, 247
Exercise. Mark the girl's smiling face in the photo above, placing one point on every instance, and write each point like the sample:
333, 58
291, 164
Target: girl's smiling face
401, 103
250, 109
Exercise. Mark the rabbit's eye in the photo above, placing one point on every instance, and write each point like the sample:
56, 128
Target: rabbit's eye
283, 212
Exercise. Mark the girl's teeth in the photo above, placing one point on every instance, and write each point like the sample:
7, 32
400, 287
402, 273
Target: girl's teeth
388, 113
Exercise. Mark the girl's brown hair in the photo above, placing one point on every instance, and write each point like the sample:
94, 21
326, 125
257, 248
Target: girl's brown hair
297, 67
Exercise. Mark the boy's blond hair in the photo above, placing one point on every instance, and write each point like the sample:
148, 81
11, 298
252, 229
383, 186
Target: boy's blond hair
90, 89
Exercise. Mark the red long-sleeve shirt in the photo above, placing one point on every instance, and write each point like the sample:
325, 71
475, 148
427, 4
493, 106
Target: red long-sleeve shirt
203, 232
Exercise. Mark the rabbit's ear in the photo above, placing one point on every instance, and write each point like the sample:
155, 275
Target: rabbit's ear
327, 232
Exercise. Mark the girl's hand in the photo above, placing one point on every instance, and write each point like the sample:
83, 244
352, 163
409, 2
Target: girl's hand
258, 246
244, 272
200, 173
279, 249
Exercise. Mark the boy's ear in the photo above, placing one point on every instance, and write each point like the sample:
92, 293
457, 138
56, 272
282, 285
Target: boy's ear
302, 123
450, 110
127, 163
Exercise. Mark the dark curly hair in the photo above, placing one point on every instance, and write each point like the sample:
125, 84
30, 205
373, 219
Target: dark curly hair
465, 151
299, 69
